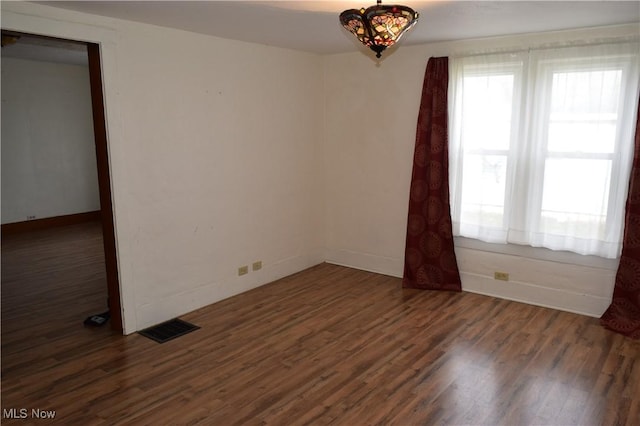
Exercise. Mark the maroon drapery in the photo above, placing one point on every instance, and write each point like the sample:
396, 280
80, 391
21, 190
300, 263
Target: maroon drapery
430, 260
623, 315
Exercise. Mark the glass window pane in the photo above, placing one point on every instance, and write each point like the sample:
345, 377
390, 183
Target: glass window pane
589, 137
575, 197
586, 93
584, 111
483, 190
486, 110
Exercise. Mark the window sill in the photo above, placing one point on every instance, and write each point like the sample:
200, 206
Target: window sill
538, 253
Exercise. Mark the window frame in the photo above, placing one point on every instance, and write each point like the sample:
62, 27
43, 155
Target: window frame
546, 69
514, 214
516, 63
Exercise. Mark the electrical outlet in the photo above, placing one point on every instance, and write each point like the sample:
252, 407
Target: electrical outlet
30, 217
257, 265
502, 276
243, 270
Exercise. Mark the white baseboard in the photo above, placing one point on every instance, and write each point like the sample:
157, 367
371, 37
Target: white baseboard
564, 299
195, 298
393, 267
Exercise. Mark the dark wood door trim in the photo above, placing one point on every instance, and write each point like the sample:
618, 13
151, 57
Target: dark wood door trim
104, 184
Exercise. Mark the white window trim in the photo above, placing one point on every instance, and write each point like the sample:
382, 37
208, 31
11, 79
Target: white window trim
538, 253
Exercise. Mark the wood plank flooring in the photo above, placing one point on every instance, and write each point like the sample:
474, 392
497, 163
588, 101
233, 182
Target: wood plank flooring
329, 345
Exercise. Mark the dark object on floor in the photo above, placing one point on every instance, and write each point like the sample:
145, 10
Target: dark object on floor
97, 320
168, 330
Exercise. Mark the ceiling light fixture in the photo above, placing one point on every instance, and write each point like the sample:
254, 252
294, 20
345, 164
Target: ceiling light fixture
379, 27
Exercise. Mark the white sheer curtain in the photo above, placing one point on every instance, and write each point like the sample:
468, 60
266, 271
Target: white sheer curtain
541, 143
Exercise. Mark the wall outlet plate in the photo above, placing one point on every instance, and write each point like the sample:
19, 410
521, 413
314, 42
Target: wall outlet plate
502, 276
257, 265
243, 270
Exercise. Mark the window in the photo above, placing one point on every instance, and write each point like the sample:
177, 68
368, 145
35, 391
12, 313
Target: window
541, 146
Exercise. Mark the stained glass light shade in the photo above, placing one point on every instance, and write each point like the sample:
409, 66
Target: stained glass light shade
379, 27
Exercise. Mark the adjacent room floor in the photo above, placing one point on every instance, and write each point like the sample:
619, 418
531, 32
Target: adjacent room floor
327, 345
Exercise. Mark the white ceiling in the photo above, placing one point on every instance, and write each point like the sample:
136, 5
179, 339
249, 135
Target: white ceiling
313, 25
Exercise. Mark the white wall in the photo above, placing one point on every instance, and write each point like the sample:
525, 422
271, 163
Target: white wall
48, 151
371, 115
216, 158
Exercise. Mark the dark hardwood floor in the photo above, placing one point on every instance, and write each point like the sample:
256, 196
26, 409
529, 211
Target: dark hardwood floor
329, 345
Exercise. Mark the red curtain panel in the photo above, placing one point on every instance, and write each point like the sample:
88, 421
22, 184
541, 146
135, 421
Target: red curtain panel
430, 261
623, 315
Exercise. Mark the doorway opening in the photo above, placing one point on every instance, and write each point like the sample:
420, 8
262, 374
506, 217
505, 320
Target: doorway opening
61, 50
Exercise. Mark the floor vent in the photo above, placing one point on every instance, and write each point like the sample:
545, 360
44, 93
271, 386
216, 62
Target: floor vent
168, 330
